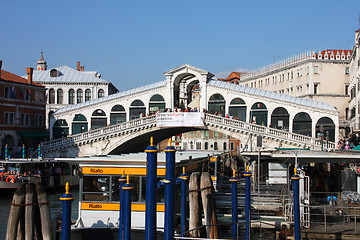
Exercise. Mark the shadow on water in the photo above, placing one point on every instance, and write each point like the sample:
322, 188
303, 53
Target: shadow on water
55, 208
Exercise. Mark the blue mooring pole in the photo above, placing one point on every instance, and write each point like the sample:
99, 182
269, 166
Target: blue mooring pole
183, 180
23, 151
247, 176
6, 152
234, 201
296, 179
66, 199
169, 192
127, 209
150, 212
122, 181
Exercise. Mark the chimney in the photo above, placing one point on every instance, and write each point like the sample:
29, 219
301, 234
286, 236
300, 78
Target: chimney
0, 67
78, 65
82, 68
29, 72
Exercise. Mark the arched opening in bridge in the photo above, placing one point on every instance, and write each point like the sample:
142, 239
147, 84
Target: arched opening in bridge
193, 95
302, 124
60, 129
79, 124
280, 119
98, 119
137, 109
117, 114
258, 114
183, 87
156, 103
10, 141
237, 108
326, 127
216, 104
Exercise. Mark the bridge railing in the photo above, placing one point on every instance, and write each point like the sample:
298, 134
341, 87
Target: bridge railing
100, 132
263, 130
209, 118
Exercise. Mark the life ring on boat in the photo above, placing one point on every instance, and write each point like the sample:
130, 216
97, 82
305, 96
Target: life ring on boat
10, 179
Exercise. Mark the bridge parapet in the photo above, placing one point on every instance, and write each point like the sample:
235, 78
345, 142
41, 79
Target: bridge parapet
267, 132
234, 127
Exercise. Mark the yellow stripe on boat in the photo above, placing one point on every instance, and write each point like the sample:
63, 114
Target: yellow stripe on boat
119, 171
136, 207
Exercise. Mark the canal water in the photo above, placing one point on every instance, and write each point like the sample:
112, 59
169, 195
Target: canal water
55, 208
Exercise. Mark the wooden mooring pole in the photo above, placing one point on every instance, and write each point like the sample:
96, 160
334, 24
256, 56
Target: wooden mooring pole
15, 210
29, 211
46, 226
194, 209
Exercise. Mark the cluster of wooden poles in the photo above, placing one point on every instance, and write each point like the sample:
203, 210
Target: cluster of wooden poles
29, 214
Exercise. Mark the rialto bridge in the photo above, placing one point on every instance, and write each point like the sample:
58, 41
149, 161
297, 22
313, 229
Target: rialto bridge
121, 123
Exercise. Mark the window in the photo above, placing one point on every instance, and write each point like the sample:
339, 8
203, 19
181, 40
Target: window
9, 118
101, 93
22, 119
6, 92
347, 71
307, 70
27, 120
215, 134
224, 146
71, 96
316, 69
51, 96
87, 95
232, 146
346, 89
38, 120
316, 88
60, 96
79, 96
54, 73
198, 146
27, 94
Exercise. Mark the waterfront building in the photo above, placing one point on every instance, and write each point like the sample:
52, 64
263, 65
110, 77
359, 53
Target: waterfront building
322, 76
67, 86
22, 112
354, 87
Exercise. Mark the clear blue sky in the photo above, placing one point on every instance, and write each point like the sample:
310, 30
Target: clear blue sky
132, 43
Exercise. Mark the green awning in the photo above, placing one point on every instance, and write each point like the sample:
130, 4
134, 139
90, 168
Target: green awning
34, 134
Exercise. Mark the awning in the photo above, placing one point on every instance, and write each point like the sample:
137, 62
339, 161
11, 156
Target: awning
34, 134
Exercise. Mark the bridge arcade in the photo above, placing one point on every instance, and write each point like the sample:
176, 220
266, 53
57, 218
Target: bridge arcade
189, 86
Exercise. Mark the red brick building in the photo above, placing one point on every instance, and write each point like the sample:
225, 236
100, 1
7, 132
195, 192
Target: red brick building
22, 113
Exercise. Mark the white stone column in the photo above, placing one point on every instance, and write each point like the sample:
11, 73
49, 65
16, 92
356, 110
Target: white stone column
203, 92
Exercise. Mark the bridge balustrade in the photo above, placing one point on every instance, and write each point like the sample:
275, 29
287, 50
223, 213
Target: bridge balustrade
218, 121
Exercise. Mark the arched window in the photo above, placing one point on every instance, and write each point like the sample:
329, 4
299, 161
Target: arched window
117, 114
60, 129
302, 124
60, 96
237, 108
206, 145
51, 96
215, 146
224, 147
54, 73
101, 93
216, 104
79, 124
258, 114
137, 109
71, 96
79, 96
280, 118
325, 128
87, 95
157, 103
98, 119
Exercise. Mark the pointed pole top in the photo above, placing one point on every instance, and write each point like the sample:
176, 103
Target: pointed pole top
169, 142
294, 170
234, 172
128, 179
123, 173
151, 141
183, 170
247, 168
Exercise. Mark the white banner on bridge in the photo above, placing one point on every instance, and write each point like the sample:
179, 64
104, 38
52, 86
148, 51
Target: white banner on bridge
180, 119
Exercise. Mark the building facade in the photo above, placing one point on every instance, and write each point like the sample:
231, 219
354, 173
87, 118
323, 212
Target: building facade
322, 76
22, 113
354, 87
67, 86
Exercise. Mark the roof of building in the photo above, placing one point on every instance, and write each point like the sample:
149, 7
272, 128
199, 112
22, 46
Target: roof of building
113, 96
10, 77
67, 75
272, 95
